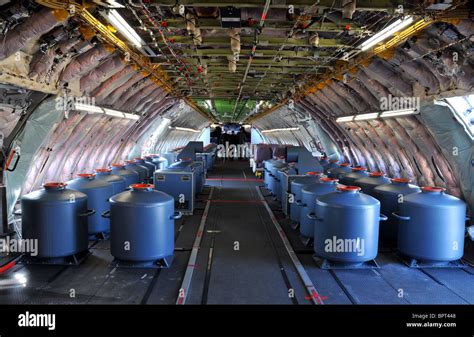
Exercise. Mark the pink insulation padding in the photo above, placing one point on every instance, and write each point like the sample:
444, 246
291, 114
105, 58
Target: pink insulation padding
391, 78
131, 97
436, 160
112, 83
101, 73
45, 155
115, 95
337, 105
351, 96
36, 25
157, 95
417, 71
41, 63
335, 94
364, 94
418, 162
132, 102
376, 88
84, 63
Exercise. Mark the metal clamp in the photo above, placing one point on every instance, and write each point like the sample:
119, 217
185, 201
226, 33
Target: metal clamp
89, 212
383, 217
401, 217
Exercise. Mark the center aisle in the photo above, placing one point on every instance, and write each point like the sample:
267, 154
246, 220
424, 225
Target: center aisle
242, 259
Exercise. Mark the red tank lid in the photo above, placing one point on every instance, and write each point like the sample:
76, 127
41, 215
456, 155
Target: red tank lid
103, 170
432, 189
86, 175
401, 180
345, 188
54, 185
359, 169
142, 186
328, 180
376, 174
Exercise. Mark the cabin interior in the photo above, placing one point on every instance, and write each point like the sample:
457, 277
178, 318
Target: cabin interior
232, 98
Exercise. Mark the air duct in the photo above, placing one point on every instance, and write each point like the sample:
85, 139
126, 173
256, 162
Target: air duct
232, 64
348, 8
192, 29
314, 40
234, 34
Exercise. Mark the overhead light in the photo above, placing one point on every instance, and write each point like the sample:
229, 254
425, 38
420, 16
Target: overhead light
96, 109
375, 115
283, 129
368, 116
183, 129
396, 113
121, 114
247, 125
109, 4
88, 108
123, 27
345, 119
386, 32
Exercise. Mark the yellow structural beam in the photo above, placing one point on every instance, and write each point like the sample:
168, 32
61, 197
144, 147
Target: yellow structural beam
159, 76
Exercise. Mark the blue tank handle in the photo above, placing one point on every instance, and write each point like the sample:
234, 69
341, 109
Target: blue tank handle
313, 216
383, 217
106, 214
401, 217
89, 212
176, 216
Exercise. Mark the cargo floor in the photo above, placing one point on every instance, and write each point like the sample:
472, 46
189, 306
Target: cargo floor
241, 259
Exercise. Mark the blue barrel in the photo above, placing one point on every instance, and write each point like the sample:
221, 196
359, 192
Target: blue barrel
98, 193
283, 176
149, 166
149, 159
142, 220
390, 197
273, 182
355, 174
266, 171
118, 182
431, 226
142, 171
347, 226
296, 187
332, 165
56, 216
160, 162
337, 172
309, 193
131, 177
373, 180
324, 161
280, 179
